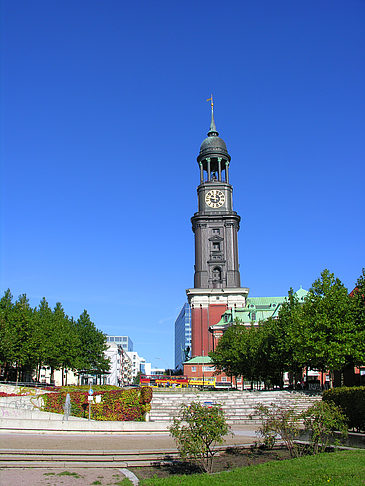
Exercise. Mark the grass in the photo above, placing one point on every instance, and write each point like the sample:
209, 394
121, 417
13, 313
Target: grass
335, 469
68, 473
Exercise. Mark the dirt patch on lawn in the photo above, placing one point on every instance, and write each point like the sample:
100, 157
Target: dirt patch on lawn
232, 458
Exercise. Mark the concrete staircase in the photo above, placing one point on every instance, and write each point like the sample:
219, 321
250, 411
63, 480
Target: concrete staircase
239, 406
37, 458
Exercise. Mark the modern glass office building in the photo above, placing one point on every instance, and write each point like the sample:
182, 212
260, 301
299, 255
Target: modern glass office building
124, 341
182, 336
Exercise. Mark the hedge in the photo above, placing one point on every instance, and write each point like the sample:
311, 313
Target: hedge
352, 402
120, 405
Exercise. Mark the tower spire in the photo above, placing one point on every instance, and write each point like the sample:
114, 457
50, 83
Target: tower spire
212, 130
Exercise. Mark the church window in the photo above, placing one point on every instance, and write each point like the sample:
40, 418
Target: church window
193, 369
216, 231
217, 274
253, 316
216, 246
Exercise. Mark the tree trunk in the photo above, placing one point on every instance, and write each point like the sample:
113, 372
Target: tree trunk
349, 375
17, 373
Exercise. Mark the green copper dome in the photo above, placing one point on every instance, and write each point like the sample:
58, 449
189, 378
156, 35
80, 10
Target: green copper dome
213, 145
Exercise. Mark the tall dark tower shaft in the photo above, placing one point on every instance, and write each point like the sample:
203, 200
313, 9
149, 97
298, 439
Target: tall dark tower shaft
217, 285
215, 225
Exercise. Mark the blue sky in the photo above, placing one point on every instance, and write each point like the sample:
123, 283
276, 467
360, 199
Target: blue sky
103, 112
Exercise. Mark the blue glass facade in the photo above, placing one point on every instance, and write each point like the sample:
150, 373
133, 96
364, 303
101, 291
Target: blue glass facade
124, 341
182, 335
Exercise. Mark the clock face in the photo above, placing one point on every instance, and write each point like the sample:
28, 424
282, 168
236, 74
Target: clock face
214, 198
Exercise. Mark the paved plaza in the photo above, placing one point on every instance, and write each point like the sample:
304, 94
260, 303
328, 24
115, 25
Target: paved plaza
68, 476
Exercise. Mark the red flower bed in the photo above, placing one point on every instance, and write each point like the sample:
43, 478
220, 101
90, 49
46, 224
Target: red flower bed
4, 394
117, 405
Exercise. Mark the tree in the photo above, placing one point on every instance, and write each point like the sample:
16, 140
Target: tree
91, 347
46, 328
23, 350
358, 312
270, 358
137, 379
227, 356
196, 430
288, 330
328, 337
250, 352
6, 332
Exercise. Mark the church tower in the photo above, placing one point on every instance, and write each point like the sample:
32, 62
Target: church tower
217, 284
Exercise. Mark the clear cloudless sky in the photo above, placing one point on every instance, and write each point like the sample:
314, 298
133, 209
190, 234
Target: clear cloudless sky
104, 109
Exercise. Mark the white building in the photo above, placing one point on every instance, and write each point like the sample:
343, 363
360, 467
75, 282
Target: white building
139, 364
157, 371
69, 376
120, 371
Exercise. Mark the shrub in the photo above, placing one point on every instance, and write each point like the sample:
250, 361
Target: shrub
280, 423
352, 401
120, 405
321, 420
196, 429
146, 394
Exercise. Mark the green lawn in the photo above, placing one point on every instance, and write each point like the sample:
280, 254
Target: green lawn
334, 469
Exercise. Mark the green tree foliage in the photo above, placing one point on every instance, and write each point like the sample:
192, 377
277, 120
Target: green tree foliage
23, 349
47, 329
227, 355
31, 338
325, 332
328, 337
137, 378
358, 310
196, 429
6, 336
289, 329
91, 345
250, 352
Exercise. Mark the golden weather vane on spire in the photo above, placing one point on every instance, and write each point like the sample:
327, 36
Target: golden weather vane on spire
212, 130
211, 101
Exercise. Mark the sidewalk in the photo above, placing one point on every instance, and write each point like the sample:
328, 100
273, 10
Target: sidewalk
70, 476
242, 434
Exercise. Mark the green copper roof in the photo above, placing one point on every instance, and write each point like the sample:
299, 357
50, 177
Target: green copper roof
199, 360
257, 309
301, 293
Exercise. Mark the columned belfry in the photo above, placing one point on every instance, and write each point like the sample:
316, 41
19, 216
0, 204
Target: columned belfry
217, 284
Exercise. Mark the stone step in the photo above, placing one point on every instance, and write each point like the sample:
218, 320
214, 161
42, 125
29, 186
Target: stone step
239, 407
55, 459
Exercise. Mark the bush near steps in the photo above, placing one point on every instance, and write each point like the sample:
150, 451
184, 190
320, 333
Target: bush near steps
352, 402
116, 405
